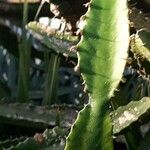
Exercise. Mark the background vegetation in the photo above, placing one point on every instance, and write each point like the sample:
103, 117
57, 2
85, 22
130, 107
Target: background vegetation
41, 94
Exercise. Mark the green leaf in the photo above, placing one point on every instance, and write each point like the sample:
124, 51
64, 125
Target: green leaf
126, 115
24, 60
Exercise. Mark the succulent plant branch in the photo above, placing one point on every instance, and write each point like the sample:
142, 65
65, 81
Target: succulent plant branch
40, 7
101, 60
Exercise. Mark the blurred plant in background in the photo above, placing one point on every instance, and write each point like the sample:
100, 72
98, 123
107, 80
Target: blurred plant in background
39, 89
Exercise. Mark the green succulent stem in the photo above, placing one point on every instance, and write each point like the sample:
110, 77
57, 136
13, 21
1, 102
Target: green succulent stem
101, 59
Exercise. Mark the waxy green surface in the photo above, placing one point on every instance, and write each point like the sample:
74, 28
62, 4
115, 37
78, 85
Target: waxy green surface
101, 59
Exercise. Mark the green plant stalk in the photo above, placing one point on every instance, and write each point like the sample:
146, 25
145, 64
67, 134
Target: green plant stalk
102, 54
24, 60
4, 90
131, 144
46, 59
51, 81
